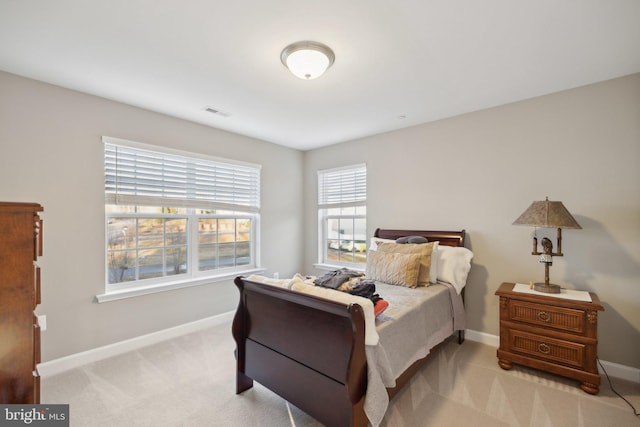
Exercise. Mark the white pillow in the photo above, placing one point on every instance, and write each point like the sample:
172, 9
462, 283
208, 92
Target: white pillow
433, 270
453, 265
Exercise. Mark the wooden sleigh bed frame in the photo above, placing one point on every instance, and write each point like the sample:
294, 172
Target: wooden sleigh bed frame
324, 373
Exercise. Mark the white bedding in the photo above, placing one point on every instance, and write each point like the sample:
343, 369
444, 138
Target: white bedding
415, 321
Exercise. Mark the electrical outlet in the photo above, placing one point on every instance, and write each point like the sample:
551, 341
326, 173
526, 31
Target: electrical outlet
42, 322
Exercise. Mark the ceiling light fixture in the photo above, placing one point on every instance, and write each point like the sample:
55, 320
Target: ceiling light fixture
307, 60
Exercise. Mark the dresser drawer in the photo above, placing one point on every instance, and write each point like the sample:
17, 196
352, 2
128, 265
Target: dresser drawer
20, 245
564, 319
549, 349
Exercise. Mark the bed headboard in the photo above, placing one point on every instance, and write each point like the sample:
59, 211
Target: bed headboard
447, 238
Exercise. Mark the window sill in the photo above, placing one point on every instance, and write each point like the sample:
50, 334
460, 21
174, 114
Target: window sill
170, 286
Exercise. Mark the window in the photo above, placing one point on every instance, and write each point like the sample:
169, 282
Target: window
342, 213
176, 218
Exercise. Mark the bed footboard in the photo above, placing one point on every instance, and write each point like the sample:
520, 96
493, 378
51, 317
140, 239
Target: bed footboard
306, 349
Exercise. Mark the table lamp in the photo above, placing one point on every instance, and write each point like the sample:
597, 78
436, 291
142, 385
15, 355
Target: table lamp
547, 214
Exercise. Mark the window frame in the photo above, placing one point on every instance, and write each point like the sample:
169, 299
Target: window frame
192, 214
351, 194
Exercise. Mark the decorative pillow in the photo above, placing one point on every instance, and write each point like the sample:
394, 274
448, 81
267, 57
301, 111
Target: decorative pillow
394, 268
424, 250
412, 239
454, 264
375, 241
379, 307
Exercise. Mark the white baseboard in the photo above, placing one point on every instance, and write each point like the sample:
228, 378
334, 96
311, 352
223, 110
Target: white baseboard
62, 364
482, 337
613, 369
620, 371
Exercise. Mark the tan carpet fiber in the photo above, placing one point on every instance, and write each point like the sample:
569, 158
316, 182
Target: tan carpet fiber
190, 381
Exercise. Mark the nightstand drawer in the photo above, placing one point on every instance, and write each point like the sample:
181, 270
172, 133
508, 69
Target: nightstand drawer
564, 319
553, 334
545, 348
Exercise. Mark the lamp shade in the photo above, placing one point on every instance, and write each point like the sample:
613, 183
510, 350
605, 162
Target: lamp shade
547, 214
307, 60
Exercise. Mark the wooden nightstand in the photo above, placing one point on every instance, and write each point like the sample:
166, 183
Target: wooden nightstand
553, 334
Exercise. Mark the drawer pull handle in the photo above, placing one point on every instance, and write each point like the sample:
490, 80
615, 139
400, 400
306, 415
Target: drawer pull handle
544, 348
544, 316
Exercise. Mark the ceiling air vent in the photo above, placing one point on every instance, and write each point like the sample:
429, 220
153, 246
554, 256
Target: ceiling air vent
216, 111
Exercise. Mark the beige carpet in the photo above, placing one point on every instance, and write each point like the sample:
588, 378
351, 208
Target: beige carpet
189, 381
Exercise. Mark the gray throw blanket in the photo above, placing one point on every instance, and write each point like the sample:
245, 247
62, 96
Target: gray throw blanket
350, 281
335, 279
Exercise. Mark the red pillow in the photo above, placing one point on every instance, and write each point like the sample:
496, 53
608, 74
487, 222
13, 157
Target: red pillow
379, 307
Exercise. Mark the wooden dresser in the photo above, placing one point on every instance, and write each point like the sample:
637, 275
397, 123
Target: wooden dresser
553, 334
20, 247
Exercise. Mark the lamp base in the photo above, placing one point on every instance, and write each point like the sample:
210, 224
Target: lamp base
547, 288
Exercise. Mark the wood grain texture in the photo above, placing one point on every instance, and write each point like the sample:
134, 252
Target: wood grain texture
551, 334
20, 245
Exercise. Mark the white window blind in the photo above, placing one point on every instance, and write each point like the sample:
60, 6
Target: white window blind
342, 187
138, 176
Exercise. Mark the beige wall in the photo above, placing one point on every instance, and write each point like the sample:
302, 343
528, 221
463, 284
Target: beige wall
480, 171
52, 154
580, 146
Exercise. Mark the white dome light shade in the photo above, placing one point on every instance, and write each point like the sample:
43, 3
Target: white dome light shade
307, 60
307, 64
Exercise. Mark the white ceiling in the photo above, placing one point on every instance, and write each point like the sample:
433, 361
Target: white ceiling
398, 62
